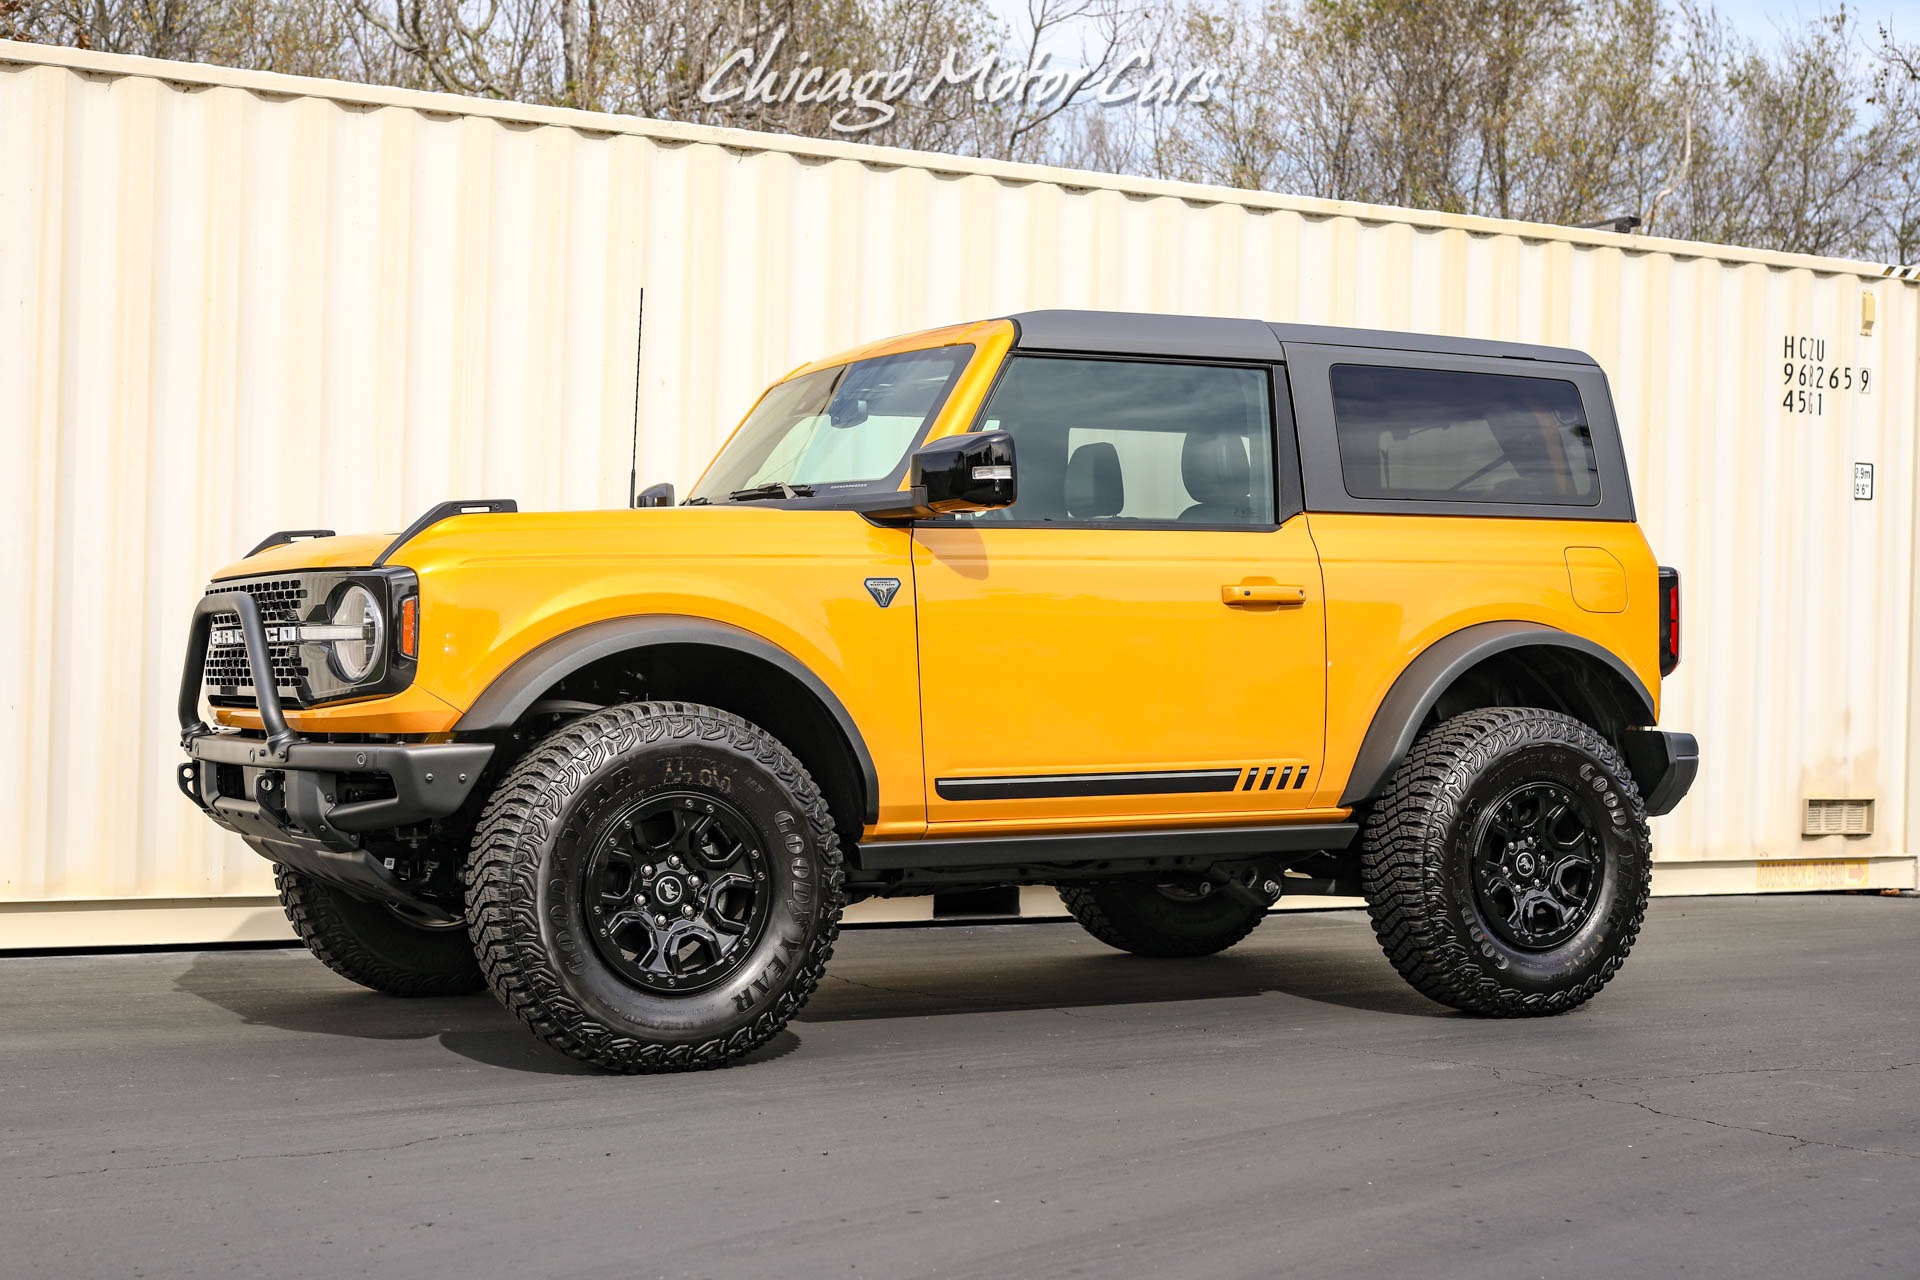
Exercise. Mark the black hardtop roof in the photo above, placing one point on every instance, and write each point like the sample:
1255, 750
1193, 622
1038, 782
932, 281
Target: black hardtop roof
1143, 333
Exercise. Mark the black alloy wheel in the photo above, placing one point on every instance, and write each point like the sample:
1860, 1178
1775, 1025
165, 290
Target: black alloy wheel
1538, 866
678, 892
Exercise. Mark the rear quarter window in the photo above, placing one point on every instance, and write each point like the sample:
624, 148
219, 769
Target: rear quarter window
1439, 435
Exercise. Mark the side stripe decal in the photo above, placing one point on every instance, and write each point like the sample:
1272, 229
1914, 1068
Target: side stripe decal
1048, 786
1144, 783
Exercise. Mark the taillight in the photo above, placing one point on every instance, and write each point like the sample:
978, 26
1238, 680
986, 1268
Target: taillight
410, 627
1669, 620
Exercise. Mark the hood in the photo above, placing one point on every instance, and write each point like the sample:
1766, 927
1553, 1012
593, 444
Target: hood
346, 551
722, 529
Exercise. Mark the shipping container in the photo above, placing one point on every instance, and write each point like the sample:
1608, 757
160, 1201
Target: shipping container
232, 302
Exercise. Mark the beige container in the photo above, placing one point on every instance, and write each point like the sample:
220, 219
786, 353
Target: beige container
233, 302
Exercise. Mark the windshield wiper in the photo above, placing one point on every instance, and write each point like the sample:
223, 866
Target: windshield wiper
760, 491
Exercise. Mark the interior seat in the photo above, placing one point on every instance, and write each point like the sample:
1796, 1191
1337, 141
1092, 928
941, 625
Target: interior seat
1095, 490
1218, 476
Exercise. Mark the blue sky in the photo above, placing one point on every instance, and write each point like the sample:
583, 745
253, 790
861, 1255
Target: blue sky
1762, 20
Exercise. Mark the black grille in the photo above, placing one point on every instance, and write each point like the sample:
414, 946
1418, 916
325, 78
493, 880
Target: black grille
281, 600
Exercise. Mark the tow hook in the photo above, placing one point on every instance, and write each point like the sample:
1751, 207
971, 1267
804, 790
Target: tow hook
270, 792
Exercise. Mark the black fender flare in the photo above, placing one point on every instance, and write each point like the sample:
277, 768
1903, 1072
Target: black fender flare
1397, 720
520, 685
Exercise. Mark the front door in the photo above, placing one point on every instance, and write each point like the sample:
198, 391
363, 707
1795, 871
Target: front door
1141, 637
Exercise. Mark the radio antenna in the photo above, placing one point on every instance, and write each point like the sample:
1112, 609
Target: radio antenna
639, 328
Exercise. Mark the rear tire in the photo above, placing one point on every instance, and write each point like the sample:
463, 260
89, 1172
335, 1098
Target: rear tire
1166, 921
655, 887
1508, 864
369, 944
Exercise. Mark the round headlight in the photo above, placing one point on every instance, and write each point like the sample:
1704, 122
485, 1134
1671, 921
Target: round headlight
356, 656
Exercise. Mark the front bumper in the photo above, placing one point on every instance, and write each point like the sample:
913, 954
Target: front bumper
1664, 765
308, 804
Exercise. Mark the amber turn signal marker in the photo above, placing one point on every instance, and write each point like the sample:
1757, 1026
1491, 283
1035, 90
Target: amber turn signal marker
410, 626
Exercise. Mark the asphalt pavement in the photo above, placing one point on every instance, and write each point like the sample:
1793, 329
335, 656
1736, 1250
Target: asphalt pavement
996, 1101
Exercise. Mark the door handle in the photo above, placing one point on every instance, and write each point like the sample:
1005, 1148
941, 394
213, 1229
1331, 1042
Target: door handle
1243, 594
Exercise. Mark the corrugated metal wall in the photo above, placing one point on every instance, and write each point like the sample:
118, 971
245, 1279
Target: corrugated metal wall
232, 302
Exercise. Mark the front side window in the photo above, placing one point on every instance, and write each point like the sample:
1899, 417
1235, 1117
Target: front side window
1125, 441
848, 427
1440, 435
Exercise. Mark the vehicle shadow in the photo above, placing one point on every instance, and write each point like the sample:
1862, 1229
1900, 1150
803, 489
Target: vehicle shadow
977, 974
473, 1027
961, 971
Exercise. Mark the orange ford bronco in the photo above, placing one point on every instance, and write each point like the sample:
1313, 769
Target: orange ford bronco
1176, 614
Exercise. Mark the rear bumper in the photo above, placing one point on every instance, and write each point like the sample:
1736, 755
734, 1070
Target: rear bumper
1664, 765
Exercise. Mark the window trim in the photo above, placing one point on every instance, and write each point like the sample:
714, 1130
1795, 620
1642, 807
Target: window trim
1310, 370
1283, 446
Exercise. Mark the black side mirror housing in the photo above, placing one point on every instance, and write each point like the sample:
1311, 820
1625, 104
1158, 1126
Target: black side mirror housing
966, 473
960, 473
655, 495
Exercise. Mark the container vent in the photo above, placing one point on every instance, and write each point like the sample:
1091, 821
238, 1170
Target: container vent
1838, 818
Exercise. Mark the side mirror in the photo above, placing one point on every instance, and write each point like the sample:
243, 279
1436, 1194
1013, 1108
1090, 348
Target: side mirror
966, 473
655, 495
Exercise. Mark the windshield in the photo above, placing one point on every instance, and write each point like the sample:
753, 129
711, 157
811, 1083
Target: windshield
845, 427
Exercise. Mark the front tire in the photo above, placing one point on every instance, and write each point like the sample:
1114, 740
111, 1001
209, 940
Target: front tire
655, 887
1507, 866
1167, 921
373, 945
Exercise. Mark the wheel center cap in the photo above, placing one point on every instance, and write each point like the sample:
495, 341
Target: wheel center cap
668, 891
1523, 864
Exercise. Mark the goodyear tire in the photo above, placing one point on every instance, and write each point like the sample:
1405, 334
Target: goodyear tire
1507, 866
373, 945
1151, 919
655, 887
